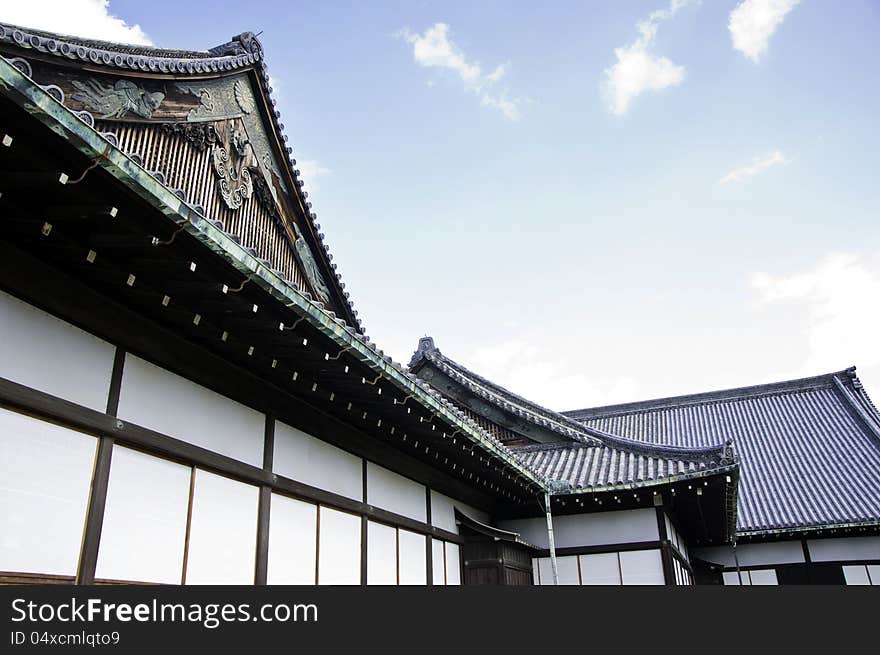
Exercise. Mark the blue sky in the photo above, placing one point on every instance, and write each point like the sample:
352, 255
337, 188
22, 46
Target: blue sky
587, 202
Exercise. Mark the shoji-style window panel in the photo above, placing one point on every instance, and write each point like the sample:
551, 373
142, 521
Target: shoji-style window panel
144, 529
600, 569
545, 571
223, 531
753, 577
395, 493
304, 458
731, 578
41, 351
567, 566
641, 567
413, 562
45, 476
165, 402
381, 554
453, 564
856, 574
339, 552
293, 541
763, 577
438, 563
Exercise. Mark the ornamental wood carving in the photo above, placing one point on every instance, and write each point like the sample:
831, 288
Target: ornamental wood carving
231, 158
116, 101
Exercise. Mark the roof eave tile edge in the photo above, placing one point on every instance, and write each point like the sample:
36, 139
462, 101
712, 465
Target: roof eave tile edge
39, 103
59, 46
823, 528
659, 482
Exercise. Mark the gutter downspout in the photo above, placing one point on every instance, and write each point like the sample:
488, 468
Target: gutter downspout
550, 538
736, 560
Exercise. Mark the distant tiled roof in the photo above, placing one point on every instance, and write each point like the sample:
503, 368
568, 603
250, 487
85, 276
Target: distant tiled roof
809, 449
590, 458
594, 468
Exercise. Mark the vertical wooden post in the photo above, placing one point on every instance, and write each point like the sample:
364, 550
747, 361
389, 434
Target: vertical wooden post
364, 531
665, 553
261, 564
91, 541
429, 542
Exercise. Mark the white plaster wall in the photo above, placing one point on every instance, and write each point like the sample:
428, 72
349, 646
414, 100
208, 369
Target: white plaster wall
844, 548
443, 512
395, 493
778, 552
41, 351
306, 459
160, 400
599, 529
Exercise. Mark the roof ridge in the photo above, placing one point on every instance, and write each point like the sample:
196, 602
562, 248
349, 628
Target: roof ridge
579, 433
547, 419
707, 397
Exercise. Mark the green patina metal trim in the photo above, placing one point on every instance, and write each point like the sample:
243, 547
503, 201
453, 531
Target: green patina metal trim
58, 118
810, 528
681, 477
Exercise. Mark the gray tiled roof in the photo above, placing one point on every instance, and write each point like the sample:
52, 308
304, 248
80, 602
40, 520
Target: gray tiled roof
588, 467
809, 449
590, 458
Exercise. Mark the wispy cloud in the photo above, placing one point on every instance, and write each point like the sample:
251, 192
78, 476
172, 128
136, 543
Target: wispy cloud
536, 374
840, 293
311, 171
759, 164
436, 49
638, 69
753, 22
85, 18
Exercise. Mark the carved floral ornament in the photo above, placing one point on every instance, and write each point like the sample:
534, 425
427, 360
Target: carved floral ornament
230, 160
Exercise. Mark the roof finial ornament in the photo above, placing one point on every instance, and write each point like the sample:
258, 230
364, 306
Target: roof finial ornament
242, 44
426, 345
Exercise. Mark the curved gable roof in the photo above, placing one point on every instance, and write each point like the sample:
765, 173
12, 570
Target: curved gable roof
241, 54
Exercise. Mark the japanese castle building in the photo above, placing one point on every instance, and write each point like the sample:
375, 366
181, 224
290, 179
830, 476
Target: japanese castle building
187, 395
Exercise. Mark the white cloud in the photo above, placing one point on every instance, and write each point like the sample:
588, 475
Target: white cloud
535, 374
758, 165
435, 49
638, 69
753, 22
310, 171
841, 295
84, 18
